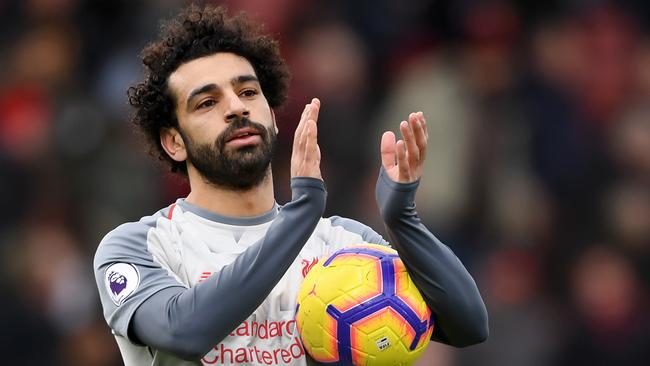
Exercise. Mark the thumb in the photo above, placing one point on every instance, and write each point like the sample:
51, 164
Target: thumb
387, 149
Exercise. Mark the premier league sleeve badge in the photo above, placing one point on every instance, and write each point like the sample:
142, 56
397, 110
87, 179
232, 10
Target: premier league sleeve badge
121, 280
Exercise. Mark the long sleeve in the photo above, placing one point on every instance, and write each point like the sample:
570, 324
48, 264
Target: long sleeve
188, 322
449, 290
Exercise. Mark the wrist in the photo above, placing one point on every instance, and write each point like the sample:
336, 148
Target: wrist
385, 179
394, 198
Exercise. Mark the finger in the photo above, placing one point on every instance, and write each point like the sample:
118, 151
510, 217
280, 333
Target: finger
402, 162
312, 137
312, 151
413, 153
314, 110
308, 155
304, 112
310, 112
302, 139
299, 129
424, 125
420, 135
301, 123
387, 148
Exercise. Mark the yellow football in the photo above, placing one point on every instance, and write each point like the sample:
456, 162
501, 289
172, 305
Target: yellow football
360, 307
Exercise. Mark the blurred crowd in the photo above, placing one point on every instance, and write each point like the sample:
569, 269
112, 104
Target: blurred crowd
538, 167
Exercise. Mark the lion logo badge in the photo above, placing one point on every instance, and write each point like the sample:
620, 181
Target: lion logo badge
122, 279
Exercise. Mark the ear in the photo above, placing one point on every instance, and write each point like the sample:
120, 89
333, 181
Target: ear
275, 125
173, 144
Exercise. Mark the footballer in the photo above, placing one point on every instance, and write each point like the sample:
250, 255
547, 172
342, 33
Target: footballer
212, 278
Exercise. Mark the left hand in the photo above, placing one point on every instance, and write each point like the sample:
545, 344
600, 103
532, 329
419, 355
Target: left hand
403, 160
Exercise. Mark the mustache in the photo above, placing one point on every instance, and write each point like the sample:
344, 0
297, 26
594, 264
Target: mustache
238, 123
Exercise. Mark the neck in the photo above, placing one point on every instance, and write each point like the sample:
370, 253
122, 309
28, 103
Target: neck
228, 202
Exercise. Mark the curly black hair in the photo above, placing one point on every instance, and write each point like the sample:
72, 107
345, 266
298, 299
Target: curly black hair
197, 32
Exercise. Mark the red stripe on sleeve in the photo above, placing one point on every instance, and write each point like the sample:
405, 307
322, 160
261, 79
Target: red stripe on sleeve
171, 211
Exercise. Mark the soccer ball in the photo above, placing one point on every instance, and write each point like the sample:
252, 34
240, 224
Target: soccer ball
360, 307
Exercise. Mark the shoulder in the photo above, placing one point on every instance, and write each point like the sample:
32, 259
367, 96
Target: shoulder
126, 272
127, 241
344, 225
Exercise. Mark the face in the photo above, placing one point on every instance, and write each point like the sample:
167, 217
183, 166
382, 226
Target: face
227, 131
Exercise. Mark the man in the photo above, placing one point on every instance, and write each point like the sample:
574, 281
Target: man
213, 278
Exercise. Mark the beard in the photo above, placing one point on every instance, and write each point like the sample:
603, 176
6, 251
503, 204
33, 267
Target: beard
239, 168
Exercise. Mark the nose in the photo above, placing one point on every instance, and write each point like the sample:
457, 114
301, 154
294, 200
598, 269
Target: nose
236, 108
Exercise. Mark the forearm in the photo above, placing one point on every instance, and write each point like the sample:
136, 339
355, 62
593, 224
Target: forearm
188, 322
449, 290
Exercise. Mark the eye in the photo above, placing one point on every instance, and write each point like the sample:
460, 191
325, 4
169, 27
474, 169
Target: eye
249, 93
206, 103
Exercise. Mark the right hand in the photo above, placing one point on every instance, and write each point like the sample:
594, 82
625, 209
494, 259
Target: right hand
305, 158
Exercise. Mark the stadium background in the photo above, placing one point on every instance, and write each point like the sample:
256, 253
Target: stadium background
537, 172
